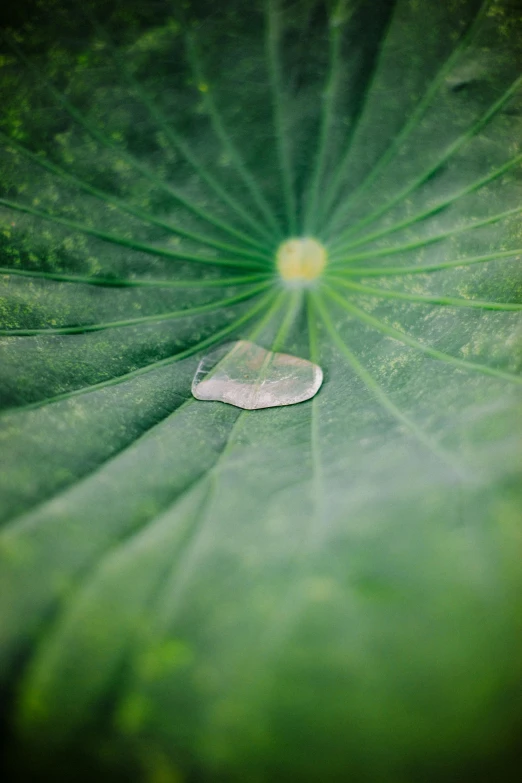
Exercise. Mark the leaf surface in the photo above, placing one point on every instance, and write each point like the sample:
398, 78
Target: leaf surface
318, 592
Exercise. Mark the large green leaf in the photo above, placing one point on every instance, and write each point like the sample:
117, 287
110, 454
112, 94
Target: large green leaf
320, 592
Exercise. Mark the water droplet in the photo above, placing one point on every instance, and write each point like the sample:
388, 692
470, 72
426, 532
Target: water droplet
247, 376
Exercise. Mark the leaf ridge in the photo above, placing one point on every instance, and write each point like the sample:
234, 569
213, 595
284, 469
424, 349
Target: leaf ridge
273, 34
390, 331
223, 135
106, 142
444, 301
125, 206
334, 256
392, 150
410, 221
381, 395
386, 271
144, 319
176, 141
117, 239
199, 346
114, 282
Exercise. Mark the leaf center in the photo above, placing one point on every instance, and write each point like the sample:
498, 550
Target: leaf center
301, 259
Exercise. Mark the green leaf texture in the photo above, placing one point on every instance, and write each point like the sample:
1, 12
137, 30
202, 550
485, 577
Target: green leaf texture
323, 592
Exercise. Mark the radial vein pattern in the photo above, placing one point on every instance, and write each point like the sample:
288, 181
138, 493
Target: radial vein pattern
146, 189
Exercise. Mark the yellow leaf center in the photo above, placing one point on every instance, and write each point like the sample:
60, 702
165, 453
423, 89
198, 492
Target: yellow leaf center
300, 259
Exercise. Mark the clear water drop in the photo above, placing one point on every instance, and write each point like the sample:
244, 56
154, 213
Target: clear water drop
248, 376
